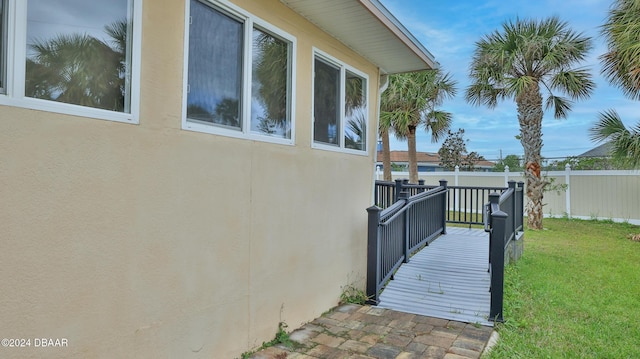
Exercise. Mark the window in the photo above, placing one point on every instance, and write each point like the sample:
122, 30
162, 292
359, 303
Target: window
3, 44
339, 106
79, 53
239, 74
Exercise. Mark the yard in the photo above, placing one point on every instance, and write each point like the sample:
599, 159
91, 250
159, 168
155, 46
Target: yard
574, 294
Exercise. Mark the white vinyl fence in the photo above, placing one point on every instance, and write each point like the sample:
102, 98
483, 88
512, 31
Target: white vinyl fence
611, 195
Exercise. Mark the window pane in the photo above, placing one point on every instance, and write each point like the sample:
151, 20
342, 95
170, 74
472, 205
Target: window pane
326, 103
355, 132
215, 67
269, 88
79, 52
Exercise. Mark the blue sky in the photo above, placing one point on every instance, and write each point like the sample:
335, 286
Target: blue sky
449, 30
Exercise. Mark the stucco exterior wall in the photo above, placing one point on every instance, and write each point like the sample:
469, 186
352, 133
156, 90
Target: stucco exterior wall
151, 241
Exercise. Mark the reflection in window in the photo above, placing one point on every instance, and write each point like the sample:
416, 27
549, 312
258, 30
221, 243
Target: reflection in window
326, 103
340, 105
270, 85
355, 132
215, 67
79, 52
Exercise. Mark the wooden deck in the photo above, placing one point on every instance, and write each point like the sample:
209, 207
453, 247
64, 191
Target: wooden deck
447, 279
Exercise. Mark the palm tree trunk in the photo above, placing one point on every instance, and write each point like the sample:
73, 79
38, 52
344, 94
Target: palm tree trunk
386, 155
530, 118
413, 160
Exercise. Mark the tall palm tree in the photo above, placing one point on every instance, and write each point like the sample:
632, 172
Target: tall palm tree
517, 62
621, 66
384, 127
410, 101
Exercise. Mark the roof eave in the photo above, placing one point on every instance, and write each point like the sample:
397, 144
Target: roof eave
369, 29
403, 34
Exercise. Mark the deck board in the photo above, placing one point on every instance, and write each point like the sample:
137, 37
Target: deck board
447, 279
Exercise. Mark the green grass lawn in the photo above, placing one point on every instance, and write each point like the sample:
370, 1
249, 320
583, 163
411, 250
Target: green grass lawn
575, 293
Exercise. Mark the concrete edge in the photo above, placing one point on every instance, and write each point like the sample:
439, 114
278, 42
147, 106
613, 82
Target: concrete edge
493, 340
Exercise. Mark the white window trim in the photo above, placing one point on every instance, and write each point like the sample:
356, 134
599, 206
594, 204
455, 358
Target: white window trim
317, 53
15, 70
250, 21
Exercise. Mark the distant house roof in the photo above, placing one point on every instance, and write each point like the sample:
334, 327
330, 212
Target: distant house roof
368, 28
424, 158
604, 150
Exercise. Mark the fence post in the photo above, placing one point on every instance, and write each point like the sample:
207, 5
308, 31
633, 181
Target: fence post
456, 173
443, 184
497, 238
373, 254
421, 183
506, 175
567, 193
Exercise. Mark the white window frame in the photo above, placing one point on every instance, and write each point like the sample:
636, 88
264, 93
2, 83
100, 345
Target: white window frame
250, 22
323, 56
16, 52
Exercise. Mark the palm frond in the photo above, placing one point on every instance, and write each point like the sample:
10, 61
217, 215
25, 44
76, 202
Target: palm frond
438, 122
560, 105
609, 127
576, 83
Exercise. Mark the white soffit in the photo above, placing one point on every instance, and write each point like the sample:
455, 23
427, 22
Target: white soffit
368, 28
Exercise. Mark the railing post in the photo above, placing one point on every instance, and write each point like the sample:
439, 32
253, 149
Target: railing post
443, 184
397, 190
376, 194
421, 183
373, 254
520, 208
512, 210
494, 202
497, 238
404, 195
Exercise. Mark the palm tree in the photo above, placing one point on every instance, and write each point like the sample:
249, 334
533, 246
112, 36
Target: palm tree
622, 60
621, 66
384, 128
516, 63
410, 101
625, 142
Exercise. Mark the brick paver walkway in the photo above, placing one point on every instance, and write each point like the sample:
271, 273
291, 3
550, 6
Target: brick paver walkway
364, 332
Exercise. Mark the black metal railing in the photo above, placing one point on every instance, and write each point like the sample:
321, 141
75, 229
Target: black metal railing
503, 222
464, 203
386, 193
398, 230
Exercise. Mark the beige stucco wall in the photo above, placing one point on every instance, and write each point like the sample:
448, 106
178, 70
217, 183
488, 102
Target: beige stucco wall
150, 241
